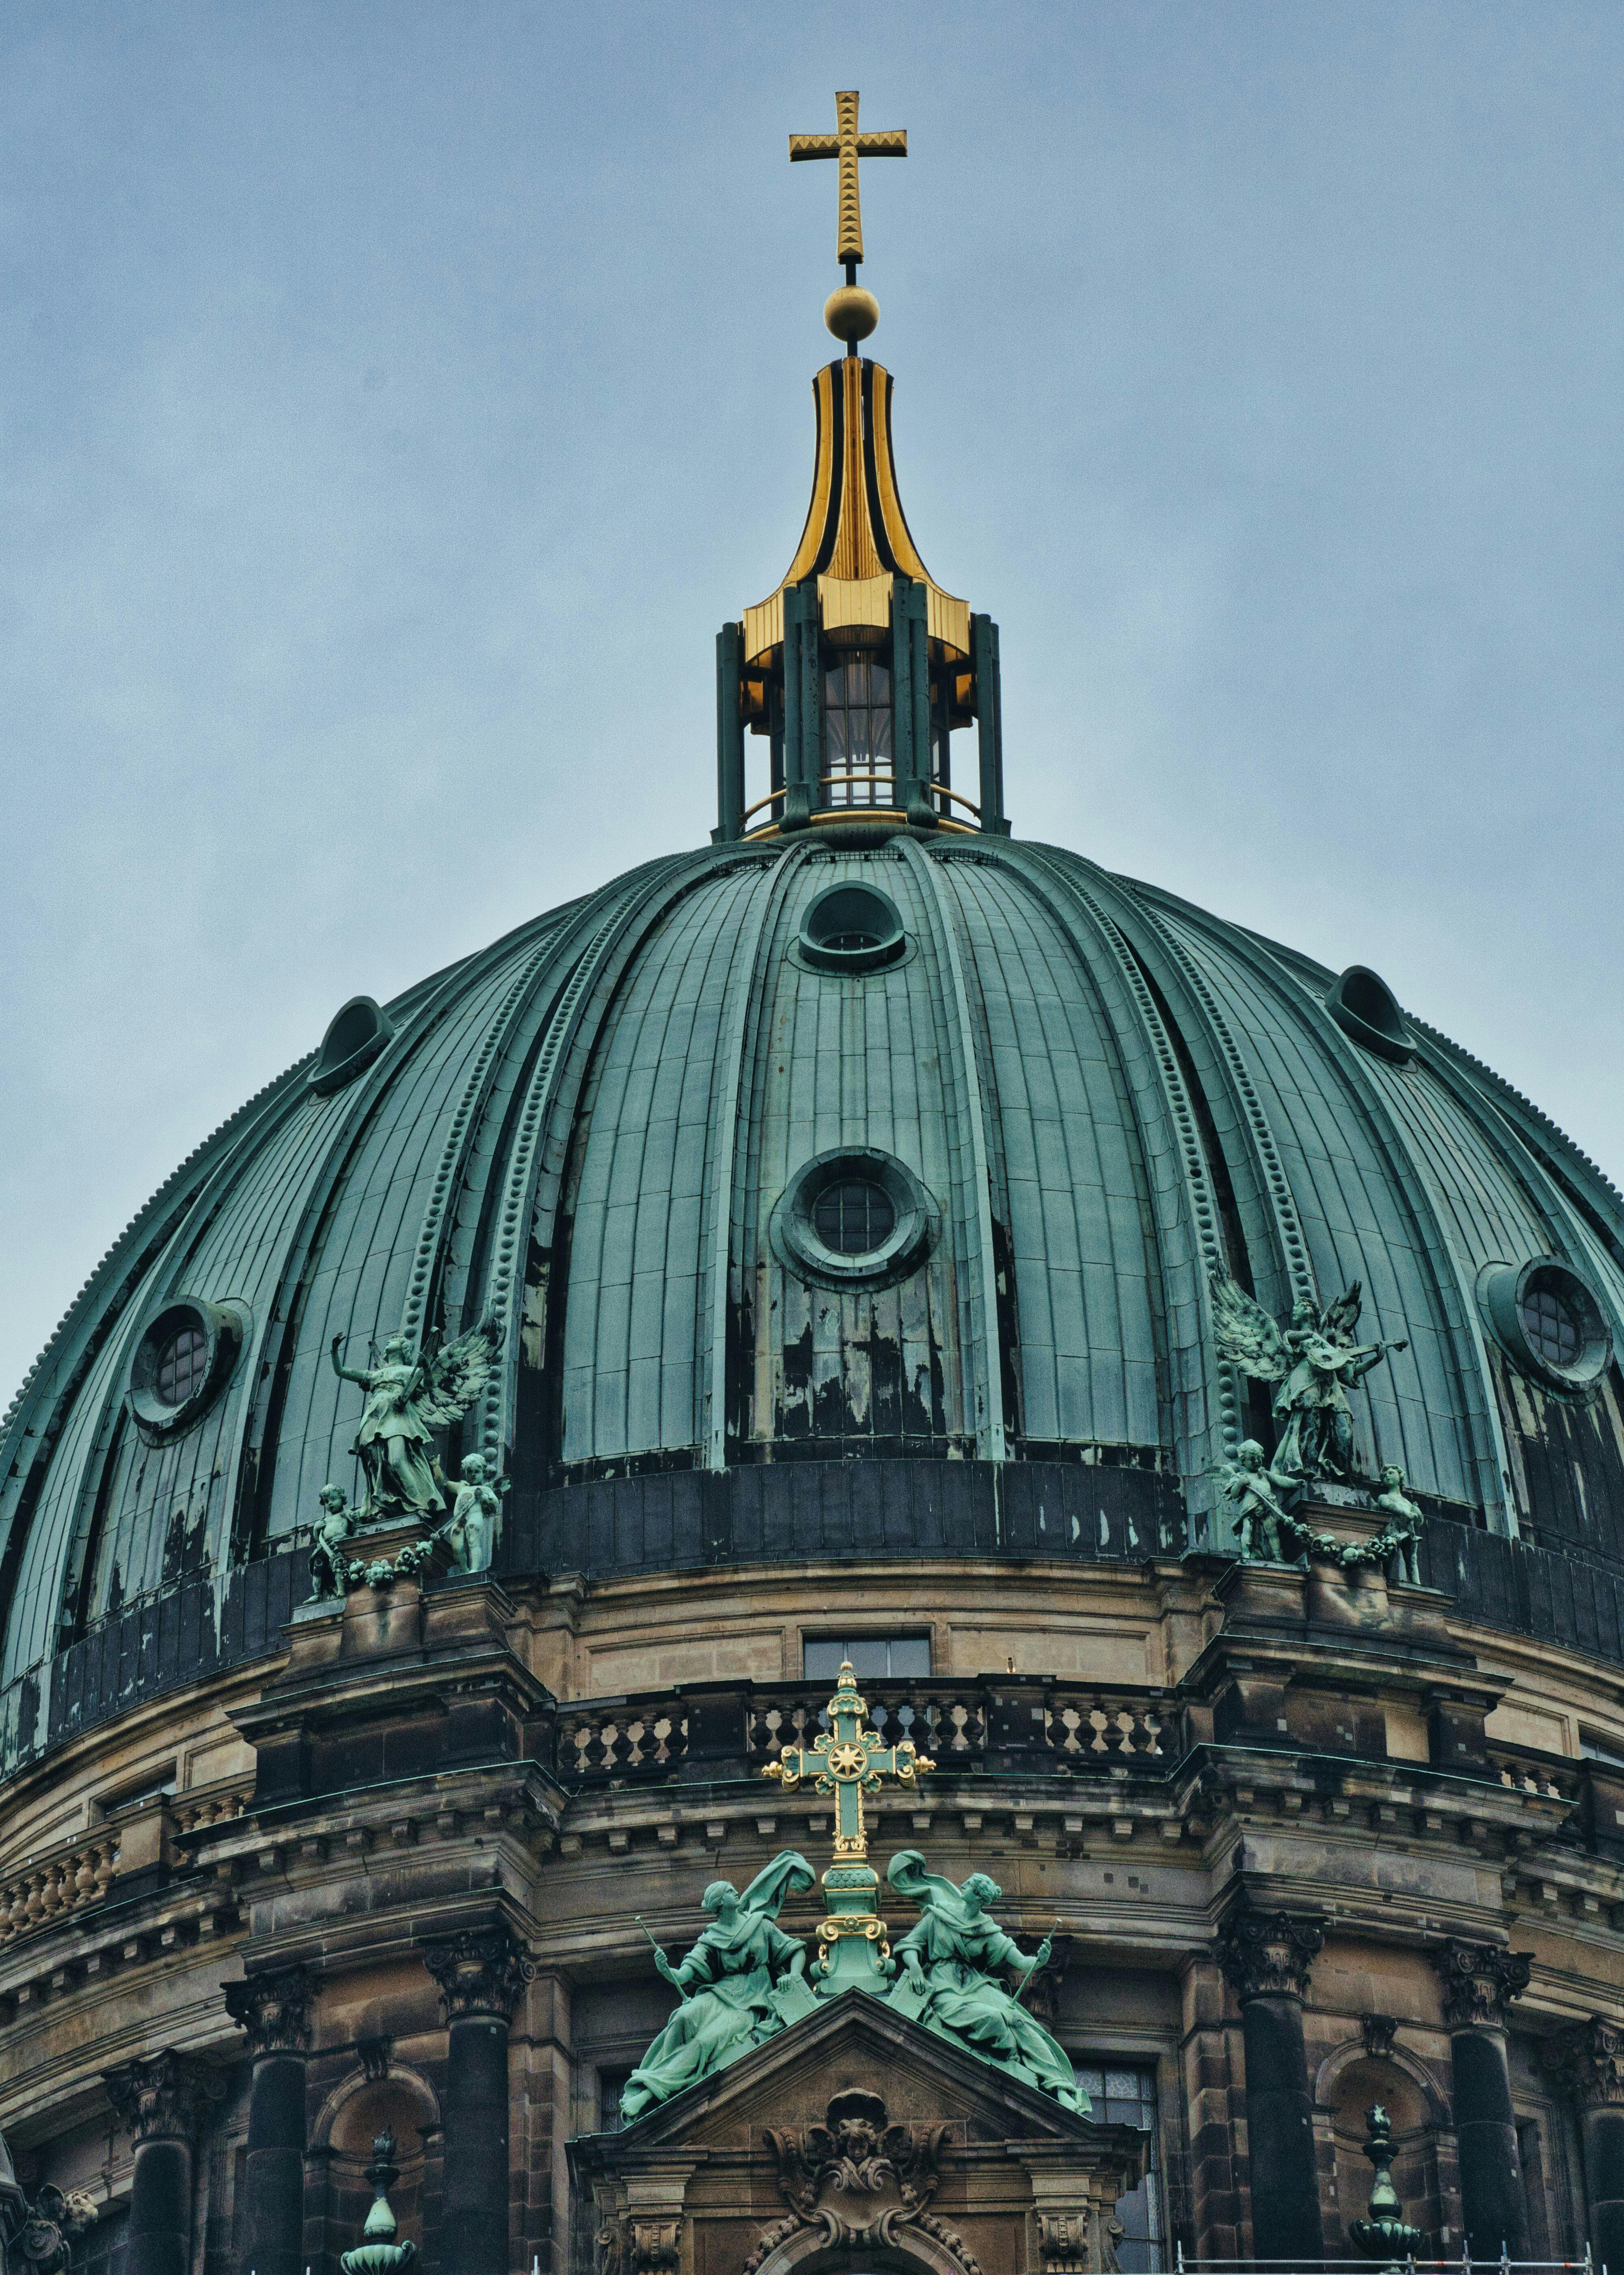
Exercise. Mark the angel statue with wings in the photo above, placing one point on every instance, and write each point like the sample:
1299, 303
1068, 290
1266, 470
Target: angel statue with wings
409, 1396
1316, 1363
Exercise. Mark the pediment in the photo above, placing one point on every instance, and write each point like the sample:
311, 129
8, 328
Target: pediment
854, 2041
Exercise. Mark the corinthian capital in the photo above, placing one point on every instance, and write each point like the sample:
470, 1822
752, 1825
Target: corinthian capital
274, 2008
482, 1971
163, 2097
1480, 1980
1586, 2062
1267, 1954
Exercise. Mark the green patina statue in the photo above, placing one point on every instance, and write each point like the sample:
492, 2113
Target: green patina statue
1263, 1525
1315, 1362
409, 1396
730, 2000
951, 1963
470, 1531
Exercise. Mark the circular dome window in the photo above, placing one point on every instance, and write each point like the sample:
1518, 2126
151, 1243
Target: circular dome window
1549, 1320
182, 1356
854, 1217
852, 928
352, 1041
1366, 1008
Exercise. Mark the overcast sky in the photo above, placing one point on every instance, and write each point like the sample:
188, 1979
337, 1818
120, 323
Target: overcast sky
394, 399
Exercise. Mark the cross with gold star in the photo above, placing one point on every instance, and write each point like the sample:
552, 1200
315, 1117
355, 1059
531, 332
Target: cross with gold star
848, 1761
849, 145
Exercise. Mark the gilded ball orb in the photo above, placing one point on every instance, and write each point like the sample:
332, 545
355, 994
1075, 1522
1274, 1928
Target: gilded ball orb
851, 313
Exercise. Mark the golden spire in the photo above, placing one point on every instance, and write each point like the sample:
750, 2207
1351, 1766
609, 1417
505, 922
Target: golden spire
850, 312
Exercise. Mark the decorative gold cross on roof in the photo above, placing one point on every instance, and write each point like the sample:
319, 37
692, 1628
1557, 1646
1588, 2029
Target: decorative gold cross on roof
849, 145
848, 1761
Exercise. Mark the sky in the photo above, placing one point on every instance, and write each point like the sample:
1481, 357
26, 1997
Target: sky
395, 398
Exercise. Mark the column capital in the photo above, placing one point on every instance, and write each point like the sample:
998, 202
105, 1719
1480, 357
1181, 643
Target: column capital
1586, 2062
273, 2007
480, 1971
1267, 1954
1479, 1980
161, 2097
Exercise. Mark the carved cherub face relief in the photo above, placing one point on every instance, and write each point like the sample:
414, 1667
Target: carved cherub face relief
473, 1468
1392, 1476
1248, 1453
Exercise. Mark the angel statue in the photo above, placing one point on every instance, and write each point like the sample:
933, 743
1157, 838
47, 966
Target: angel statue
329, 1567
949, 1978
1265, 1528
737, 2003
1316, 1363
469, 1533
408, 1397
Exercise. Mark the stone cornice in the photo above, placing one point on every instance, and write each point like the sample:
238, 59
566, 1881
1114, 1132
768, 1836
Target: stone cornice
1479, 1980
480, 1971
273, 2007
1266, 1954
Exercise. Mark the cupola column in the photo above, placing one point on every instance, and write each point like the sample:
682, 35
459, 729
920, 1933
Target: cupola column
274, 2008
1266, 1956
1480, 1980
1587, 2064
481, 1974
160, 2100
729, 738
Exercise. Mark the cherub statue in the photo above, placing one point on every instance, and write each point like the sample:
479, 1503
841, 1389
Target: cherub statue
408, 1397
469, 1533
735, 2005
329, 1567
1405, 1523
950, 1959
1314, 1362
1265, 1528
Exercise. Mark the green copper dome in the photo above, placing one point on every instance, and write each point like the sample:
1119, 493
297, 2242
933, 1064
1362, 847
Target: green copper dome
873, 1224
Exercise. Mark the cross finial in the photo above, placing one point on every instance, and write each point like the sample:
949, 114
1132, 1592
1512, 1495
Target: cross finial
848, 1761
849, 145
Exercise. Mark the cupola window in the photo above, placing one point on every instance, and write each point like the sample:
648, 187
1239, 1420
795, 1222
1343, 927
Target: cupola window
854, 1217
857, 732
852, 928
1551, 1326
183, 1361
1548, 1319
183, 1356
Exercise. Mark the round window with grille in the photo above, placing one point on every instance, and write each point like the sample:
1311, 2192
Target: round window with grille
854, 1219
183, 1358
1549, 1320
851, 927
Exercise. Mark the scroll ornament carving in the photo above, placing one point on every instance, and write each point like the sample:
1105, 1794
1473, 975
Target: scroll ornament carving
274, 2008
1078, 2243
628, 2246
1587, 2063
1480, 1980
858, 2179
163, 2097
482, 1971
1267, 1954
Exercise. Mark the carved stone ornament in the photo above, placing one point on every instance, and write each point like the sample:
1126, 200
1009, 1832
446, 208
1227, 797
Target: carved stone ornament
1267, 1954
274, 2008
1378, 2031
164, 2097
1586, 2062
627, 2245
857, 2180
376, 2054
482, 1971
1078, 2243
38, 2238
1480, 1980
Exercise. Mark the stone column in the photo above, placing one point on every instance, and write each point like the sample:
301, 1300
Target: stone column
161, 2099
1479, 1982
1587, 2062
274, 2010
481, 1974
1266, 1956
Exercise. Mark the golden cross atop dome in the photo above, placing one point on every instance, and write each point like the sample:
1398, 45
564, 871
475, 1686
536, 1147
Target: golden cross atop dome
849, 145
848, 1761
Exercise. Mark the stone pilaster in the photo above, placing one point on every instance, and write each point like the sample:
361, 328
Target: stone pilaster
274, 2008
1479, 1980
1265, 1955
1587, 2064
481, 1973
162, 2100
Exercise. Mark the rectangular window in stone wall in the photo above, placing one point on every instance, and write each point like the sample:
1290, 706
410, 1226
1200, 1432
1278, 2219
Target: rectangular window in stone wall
1125, 2094
874, 1659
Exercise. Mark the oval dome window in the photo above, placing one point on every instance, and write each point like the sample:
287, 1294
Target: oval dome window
350, 1043
854, 1217
182, 1356
852, 928
1549, 1320
1366, 1008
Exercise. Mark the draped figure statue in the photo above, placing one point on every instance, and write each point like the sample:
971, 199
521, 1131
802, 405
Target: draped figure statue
950, 1959
729, 1999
